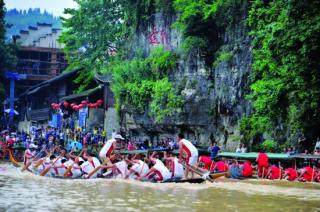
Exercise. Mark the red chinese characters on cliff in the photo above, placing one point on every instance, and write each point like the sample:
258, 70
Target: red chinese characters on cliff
157, 36
153, 39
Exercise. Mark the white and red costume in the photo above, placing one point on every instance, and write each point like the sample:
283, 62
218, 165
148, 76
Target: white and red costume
88, 166
140, 168
190, 152
177, 168
28, 155
161, 171
107, 149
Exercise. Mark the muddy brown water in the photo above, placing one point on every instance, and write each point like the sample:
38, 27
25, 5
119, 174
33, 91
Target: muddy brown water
28, 192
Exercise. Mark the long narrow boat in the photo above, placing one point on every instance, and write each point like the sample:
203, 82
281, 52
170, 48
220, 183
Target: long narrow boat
192, 180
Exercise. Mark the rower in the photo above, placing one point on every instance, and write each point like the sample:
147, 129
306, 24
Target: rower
46, 164
59, 167
159, 172
306, 174
290, 174
119, 169
75, 162
221, 166
263, 164
188, 153
206, 163
110, 146
247, 169
138, 168
89, 165
29, 153
174, 166
274, 173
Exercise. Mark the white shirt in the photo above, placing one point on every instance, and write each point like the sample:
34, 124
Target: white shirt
192, 149
122, 167
107, 149
162, 170
140, 168
177, 168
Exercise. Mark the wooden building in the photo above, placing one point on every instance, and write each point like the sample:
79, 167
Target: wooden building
40, 56
35, 103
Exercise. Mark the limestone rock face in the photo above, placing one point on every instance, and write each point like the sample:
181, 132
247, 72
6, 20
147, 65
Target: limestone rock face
214, 97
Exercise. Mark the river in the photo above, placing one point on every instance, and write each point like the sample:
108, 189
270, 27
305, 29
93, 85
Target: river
27, 192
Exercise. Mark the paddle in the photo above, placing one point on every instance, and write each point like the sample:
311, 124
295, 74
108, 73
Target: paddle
30, 162
98, 168
71, 166
44, 172
199, 172
39, 162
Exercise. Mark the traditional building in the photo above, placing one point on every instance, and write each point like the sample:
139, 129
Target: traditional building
35, 103
40, 55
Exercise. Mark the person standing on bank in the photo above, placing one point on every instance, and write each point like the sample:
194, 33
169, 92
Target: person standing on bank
214, 150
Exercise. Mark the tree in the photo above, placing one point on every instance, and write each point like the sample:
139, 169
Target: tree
285, 87
92, 34
7, 52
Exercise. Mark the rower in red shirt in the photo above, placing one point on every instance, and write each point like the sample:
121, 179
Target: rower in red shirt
290, 174
263, 164
205, 162
221, 166
247, 169
306, 174
274, 173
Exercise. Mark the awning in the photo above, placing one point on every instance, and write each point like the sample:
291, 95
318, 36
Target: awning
82, 94
253, 155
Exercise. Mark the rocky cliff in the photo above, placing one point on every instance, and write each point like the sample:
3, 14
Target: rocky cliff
214, 95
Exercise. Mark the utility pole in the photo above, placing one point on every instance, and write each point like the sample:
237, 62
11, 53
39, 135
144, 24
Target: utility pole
13, 76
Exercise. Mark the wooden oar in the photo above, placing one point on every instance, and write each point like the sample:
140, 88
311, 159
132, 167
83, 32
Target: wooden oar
98, 168
44, 172
30, 162
71, 166
199, 172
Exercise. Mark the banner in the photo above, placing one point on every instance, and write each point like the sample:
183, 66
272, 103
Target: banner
82, 117
56, 120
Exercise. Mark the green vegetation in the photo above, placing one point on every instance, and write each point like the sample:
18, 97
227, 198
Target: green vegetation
284, 82
203, 24
285, 77
91, 35
101, 42
223, 57
269, 146
7, 52
140, 82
